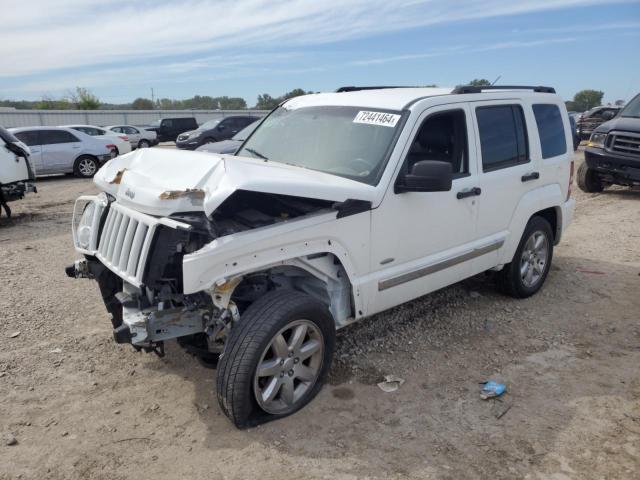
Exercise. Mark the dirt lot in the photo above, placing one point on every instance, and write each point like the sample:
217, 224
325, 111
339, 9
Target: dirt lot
80, 406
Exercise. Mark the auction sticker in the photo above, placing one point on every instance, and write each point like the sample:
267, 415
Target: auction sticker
377, 118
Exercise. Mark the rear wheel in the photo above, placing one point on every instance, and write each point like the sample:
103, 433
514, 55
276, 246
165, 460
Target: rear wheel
143, 144
528, 270
86, 166
588, 180
276, 358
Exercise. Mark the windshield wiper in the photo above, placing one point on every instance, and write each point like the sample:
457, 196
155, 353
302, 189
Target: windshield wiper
256, 153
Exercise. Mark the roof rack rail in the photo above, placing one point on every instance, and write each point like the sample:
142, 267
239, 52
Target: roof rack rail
355, 89
479, 89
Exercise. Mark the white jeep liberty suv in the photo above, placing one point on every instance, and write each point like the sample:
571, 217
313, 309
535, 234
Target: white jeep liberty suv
338, 206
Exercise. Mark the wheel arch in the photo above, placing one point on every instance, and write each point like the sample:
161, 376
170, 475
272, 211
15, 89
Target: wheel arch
545, 202
321, 275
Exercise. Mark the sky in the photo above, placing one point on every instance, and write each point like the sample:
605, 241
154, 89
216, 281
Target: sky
121, 49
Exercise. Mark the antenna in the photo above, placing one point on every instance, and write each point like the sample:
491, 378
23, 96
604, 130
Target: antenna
496, 80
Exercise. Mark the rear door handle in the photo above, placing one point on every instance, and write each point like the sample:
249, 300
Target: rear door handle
472, 192
530, 176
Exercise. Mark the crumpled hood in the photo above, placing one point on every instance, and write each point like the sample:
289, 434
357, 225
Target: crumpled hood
140, 178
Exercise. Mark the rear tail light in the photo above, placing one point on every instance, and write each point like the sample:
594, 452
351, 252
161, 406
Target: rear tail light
111, 146
124, 137
570, 189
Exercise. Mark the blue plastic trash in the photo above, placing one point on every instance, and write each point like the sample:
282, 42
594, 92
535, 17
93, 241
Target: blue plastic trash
492, 389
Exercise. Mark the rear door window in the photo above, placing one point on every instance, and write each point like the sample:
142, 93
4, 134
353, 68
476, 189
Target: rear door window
51, 137
551, 130
503, 136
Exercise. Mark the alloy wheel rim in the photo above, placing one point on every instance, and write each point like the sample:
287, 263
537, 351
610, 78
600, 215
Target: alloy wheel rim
87, 167
289, 367
533, 261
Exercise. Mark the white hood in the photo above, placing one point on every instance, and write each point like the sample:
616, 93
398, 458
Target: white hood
147, 173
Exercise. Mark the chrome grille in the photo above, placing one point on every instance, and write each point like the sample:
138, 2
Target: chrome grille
125, 242
625, 143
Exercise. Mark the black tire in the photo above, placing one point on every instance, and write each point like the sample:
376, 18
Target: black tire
208, 140
244, 348
143, 144
510, 279
82, 169
588, 180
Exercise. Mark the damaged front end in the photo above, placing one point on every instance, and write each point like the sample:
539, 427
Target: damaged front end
137, 260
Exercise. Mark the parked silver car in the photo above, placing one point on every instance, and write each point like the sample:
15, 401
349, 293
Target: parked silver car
63, 150
138, 137
120, 139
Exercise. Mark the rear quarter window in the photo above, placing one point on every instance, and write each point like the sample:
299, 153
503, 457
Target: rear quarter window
551, 130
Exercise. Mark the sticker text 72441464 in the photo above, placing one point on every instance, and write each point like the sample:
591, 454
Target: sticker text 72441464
377, 118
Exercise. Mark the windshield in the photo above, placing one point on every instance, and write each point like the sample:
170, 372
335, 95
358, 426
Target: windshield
632, 109
209, 125
349, 142
242, 135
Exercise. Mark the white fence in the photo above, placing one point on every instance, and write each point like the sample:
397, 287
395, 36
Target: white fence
142, 118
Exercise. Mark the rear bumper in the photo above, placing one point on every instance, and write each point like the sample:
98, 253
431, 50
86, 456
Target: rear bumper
568, 211
105, 158
617, 167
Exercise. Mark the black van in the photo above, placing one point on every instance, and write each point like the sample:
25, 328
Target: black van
168, 129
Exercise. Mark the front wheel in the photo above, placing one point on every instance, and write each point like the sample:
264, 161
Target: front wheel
588, 180
276, 358
528, 270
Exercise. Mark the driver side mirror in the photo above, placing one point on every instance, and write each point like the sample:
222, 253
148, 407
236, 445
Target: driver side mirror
221, 127
427, 176
608, 115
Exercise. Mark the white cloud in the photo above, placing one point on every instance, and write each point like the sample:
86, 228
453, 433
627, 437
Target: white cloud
464, 49
47, 35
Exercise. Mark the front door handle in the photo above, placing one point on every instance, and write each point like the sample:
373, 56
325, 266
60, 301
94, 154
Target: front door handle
530, 176
472, 192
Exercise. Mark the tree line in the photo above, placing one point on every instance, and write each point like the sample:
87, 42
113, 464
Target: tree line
83, 99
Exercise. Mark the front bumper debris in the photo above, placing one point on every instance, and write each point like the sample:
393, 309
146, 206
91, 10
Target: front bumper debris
149, 326
79, 269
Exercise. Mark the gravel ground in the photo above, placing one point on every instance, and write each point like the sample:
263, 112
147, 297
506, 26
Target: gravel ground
76, 405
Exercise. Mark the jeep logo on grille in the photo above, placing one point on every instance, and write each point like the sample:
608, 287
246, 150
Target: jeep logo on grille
130, 193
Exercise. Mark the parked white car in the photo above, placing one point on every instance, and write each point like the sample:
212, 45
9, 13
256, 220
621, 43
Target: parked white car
338, 206
121, 141
17, 176
63, 150
139, 137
